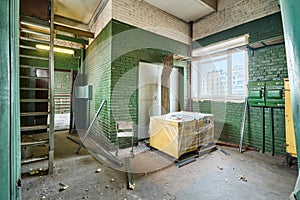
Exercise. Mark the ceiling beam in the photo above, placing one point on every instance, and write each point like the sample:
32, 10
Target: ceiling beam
211, 4
58, 19
74, 31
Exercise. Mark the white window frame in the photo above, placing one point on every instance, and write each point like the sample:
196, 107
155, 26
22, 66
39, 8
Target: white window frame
208, 54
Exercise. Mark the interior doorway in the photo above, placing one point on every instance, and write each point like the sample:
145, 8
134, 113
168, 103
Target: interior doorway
150, 94
62, 90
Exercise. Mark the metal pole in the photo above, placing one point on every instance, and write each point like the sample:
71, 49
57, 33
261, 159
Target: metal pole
91, 125
243, 124
130, 185
272, 130
263, 130
51, 90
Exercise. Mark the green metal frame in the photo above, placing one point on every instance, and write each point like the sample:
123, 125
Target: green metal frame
10, 154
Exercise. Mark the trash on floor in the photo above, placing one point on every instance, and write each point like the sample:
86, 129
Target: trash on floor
225, 152
63, 187
242, 177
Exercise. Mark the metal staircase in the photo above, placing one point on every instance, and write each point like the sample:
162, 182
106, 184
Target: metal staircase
37, 91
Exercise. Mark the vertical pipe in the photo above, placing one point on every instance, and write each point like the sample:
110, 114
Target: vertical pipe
290, 18
272, 131
52, 105
263, 130
191, 54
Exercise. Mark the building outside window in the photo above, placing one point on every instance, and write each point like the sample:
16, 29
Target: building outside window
220, 71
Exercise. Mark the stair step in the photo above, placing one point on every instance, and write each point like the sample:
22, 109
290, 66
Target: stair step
35, 89
37, 143
34, 128
34, 77
26, 30
34, 57
34, 40
33, 100
28, 47
30, 160
25, 114
33, 67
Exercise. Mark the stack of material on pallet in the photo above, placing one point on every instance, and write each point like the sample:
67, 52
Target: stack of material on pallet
178, 133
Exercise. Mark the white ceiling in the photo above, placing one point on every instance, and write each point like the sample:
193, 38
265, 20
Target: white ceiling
78, 10
83, 10
187, 10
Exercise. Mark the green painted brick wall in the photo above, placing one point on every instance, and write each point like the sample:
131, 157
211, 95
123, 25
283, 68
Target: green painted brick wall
62, 80
130, 46
263, 64
260, 29
98, 75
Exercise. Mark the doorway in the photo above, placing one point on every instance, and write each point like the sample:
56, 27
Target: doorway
150, 94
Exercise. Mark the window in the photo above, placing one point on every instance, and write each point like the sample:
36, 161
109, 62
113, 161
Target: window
220, 71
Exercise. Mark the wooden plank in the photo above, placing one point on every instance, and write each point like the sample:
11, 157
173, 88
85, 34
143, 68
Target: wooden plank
35, 89
37, 143
34, 77
165, 84
73, 30
24, 114
33, 100
33, 160
34, 57
34, 40
28, 47
33, 67
33, 128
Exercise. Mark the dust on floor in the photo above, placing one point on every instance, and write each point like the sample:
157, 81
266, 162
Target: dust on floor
250, 175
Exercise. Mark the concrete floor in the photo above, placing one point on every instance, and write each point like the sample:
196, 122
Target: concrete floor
213, 176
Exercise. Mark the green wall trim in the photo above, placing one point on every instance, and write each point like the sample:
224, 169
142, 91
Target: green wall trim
260, 29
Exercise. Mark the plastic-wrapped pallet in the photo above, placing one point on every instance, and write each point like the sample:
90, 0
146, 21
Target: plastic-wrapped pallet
178, 133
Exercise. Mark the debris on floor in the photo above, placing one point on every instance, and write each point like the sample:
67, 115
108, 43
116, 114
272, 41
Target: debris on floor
225, 152
63, 187
98, 170
242, 177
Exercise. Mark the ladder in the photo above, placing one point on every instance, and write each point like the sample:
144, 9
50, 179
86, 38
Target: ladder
37, 91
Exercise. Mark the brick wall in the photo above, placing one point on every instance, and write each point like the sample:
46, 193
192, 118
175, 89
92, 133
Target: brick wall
131, 45
264, 64
232, 13
143, 15
112, 70
98, 74
124, 92
103, 19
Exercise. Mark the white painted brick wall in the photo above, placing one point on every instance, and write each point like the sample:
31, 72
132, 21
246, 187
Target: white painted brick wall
232, 13
103, 19
143, 15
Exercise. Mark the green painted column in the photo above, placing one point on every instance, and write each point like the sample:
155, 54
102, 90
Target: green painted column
9, 100
4, 102
290, 17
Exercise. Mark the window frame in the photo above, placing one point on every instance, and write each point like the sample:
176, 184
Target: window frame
203, 56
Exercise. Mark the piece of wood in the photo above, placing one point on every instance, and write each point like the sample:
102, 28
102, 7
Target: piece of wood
165, 84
